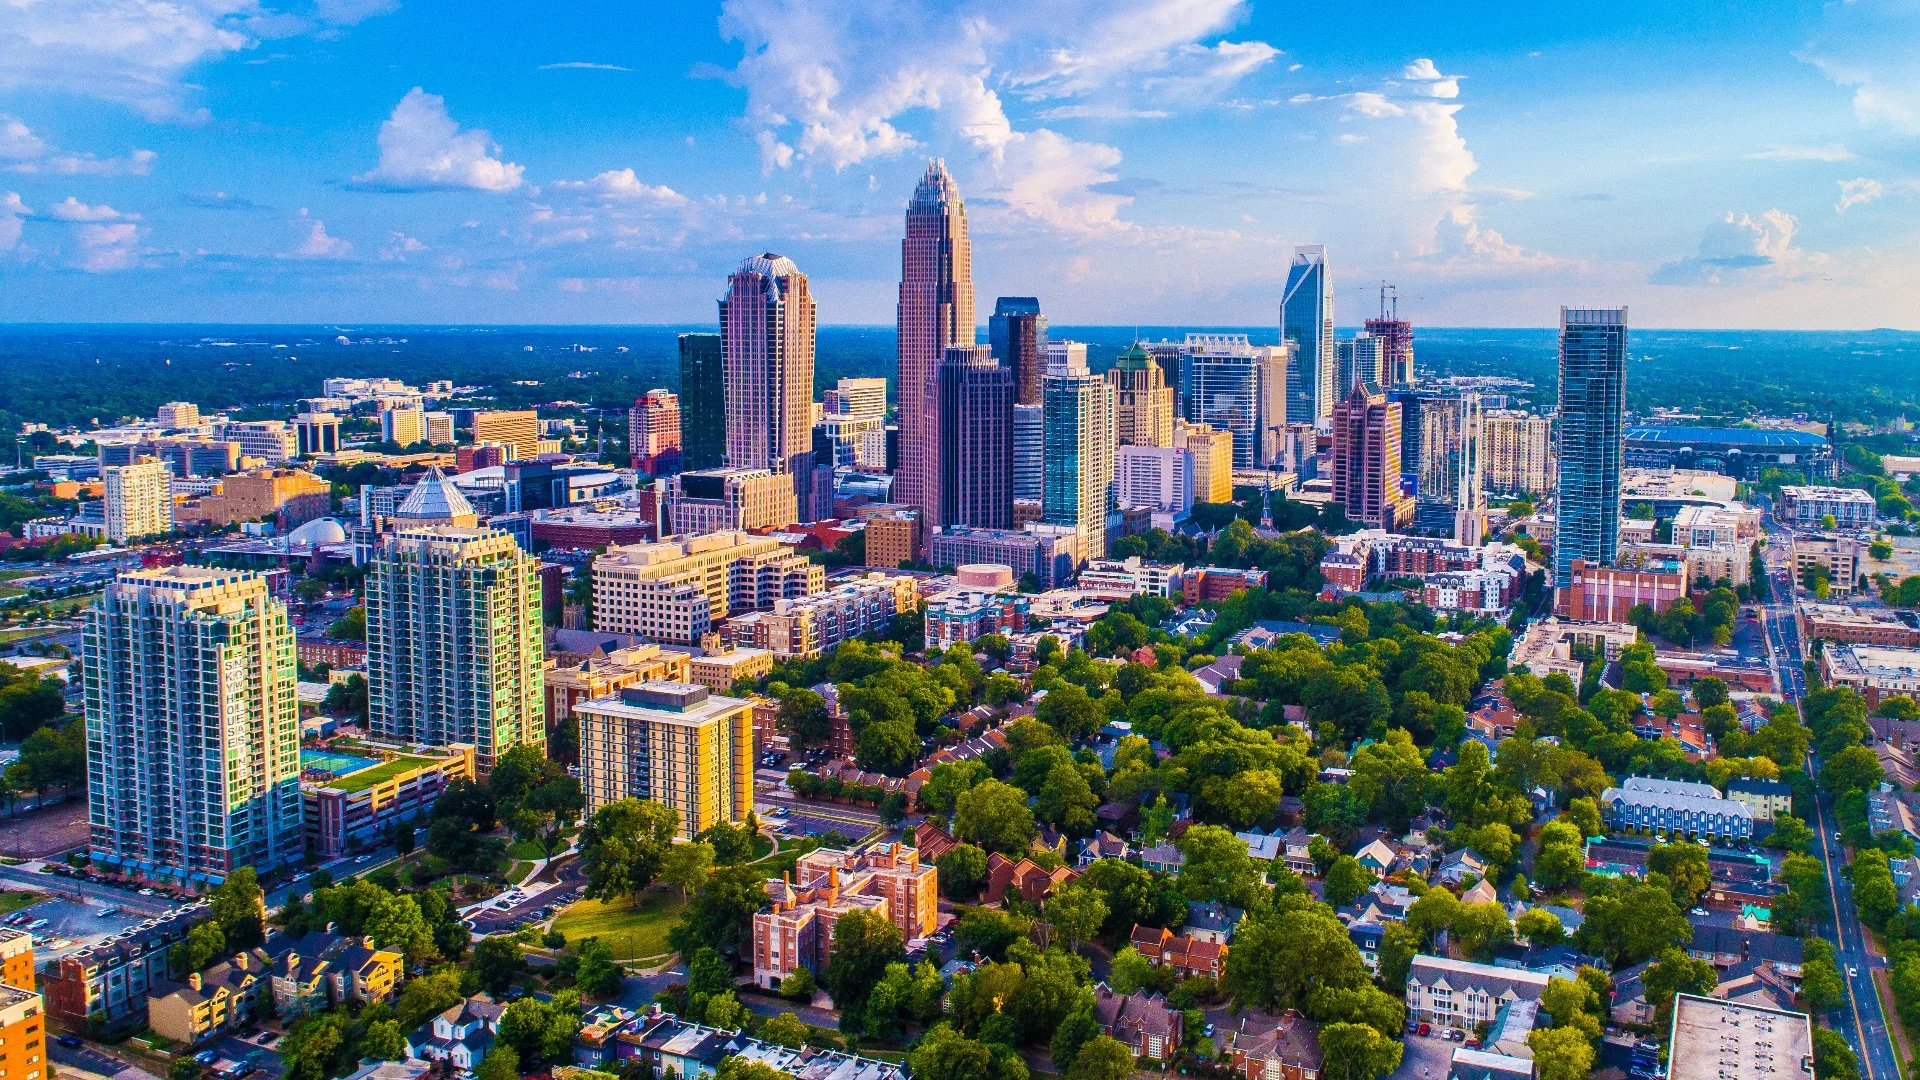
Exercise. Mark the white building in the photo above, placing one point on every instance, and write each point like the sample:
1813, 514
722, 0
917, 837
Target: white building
1156, 476
138, 500
1462, 994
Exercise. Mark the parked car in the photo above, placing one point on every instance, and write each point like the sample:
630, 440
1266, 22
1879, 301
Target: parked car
106, 913
207, 1057
71, 1042
38, 924
1426, 1029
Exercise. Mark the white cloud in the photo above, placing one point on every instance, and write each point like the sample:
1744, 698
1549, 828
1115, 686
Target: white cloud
1460, 240
1873, 47
129, 51
1829, 152
72, 209
348, 12
423, 149
623, 184
314, 241
12, 210
105, 248
17, 141
1862, 190
400, 246
582, 65
1737, 247
29, 153
1428, 81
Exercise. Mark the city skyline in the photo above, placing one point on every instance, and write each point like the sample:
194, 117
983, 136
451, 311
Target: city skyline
343, 165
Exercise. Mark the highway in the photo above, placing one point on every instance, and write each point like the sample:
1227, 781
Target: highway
1860, 1018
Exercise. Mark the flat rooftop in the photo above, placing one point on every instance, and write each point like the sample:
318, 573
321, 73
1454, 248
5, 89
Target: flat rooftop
1888, 660
1767, 438
666, 702
1722, 1040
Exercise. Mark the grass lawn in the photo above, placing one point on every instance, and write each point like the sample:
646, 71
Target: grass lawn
526, 851
518, 871
7, 637
634, 931
373, 774
11, 902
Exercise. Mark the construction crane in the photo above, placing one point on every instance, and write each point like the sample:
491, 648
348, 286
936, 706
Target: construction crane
1389, 293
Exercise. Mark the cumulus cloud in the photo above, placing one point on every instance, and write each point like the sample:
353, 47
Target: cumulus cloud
105, 248
399, 246
1861, 190
12, 210
1427, 80
1829, 152
314, 243
1736, 247
17, 141
423, 149
1873, 48
623, 184
129, 51
72, 209
27, 152
1459, 239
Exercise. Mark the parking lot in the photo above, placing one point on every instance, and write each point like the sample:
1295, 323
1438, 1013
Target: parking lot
523, 908
73, 922
1425, 1058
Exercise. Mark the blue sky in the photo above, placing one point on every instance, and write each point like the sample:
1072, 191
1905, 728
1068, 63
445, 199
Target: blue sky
1743, 165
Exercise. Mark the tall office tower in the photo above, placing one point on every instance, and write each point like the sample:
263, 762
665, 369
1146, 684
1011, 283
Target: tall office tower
703, 402
403, 427
137, 499
766, 330
1240, 388
193, 726
1018, 333
1396, 337
439, 428
178, 414
976, 439
1306, 319
1160, 477
1593, 392
317, 433
1470, 488
1029, 452
1078, 470
1212, 460
1143, 402
1366, 459
454, 641
935, 311
1360, 359
863, 399
516, 429
1518, 454
653, 433
672, 743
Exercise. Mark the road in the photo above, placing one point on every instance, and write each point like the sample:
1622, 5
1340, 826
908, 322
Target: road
72, 886
491, 920
1860, 1018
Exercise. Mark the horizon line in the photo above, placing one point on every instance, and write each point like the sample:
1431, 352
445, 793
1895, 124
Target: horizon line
685, 326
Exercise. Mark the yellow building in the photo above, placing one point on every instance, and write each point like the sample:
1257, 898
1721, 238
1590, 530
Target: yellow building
518, 431
673, 743
261, 494
1212, 461
1143, 402
16, 959
225, 997
23, 1034
723, 666
892, 538
678, 590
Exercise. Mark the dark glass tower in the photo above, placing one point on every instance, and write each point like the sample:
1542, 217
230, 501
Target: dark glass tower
976, 439
1593, 391
703, 402
1018, 333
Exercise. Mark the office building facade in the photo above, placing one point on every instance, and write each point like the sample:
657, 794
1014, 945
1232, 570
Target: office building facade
1029, 452
1360, 359
1366, 459
1518, 454
137, 500
1212, 453
677, 590
1240, 388
1396, 348
316, 433
516, 429
976, 439
767, 332
717, 500
1079, 445
1306, 320
193, 727
1160, 477
862, 399
1143, 402
703, 402
1592, 413
403, 427
1017, 333
935, 311
653, 433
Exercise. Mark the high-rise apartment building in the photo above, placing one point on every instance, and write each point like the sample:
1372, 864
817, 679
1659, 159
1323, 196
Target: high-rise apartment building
1240, 388
316, 433
1366, 459
673, 743
1306, 320
518, 430
454, 641
1396, 337
1143, 402
1212, 460
717, 500
976, 439
1018, 333
439, 428
767, 331
703, 402
862, 399
1029, 452
193, 727
1360, 359
272, 441
676, 590
1160, 477
1078, 471
403, 427
178, 414
935, 311
653, 433
137, 499
1593, 392
1518, 453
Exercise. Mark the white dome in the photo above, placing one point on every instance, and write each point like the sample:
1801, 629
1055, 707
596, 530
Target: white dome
318, 532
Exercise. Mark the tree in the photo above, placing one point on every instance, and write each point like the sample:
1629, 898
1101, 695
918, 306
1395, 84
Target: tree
1667, 703
1833, 1057
1102, 1058
496, 960
1218, 867
623, 846
1347, 881
310, 1049
798, 986
1855, 768
426, 995
1077, 913
239, 909
864, 943
785, 1029
1685, 866
963, 872
597, 975
804, 717
204, 942
945, 1054
995, 817
949, 779
1676, 973
724, 1011
1821, 988
501, 1063
1277, 960
887, 746
1710, 691
1076, 1031
1390, 777
1561, 1054
383, 1042
1790, 834
687, 866
1357, 1052
1539, 926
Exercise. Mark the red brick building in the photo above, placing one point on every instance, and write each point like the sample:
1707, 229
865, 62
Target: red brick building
1608, 593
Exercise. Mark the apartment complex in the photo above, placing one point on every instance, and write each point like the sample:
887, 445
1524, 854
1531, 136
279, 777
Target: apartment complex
360, 809
677, 590
811, 625
1807, 507
1051, 553
193, 727
1593, 389
1077, 488
795, 929
653, 433
718, 500
454, 641
1876, 671
1517, 453
677, 744
607, 671
1840, 556
1462, 994
107, 982
1712, 1039
1160, 477
138, 499
518, 430
1676, 808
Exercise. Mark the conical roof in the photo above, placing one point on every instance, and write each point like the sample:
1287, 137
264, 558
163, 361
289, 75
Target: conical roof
435, 499
1135, 357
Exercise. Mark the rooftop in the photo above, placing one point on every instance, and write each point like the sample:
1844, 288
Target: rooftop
1722, 1040
1704, 436
670, 702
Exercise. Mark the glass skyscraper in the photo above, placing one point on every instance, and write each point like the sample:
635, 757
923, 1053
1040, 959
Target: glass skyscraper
1593, 391
703, 402
1018, 334
1078, 470
1306, 319
976, 439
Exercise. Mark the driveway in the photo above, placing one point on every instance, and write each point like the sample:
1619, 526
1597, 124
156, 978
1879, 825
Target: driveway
1425, 1059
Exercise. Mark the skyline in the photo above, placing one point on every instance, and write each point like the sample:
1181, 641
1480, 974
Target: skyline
375, 162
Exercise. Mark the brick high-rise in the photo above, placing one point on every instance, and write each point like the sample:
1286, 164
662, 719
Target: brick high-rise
653, 433
935, 311
1366, 459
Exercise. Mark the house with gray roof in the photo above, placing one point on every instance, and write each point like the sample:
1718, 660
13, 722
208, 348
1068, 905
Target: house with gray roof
1462, 994
1676, 808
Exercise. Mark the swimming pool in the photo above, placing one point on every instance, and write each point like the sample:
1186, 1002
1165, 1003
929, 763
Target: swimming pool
334, 761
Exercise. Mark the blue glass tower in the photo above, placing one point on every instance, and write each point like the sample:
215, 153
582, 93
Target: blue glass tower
1593, 393
1306, 319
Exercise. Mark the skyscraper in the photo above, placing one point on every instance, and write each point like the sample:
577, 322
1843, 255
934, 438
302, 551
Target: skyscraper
653, 433
766, 335
1360, 359
1240, 388
1212, 460
1029, 452
1306, 319
1519, 454
1593, 391
673, 743
863, 399
193, 726
1396, 336
1366, 459
935, 311
454, 649
1078, 469
1143, 402
1018, 334
976, 439
137, 499
703, 402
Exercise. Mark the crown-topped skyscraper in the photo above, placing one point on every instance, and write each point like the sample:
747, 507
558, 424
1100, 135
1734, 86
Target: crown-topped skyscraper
935, 311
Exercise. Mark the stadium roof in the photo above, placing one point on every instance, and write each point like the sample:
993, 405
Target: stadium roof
1697, 436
